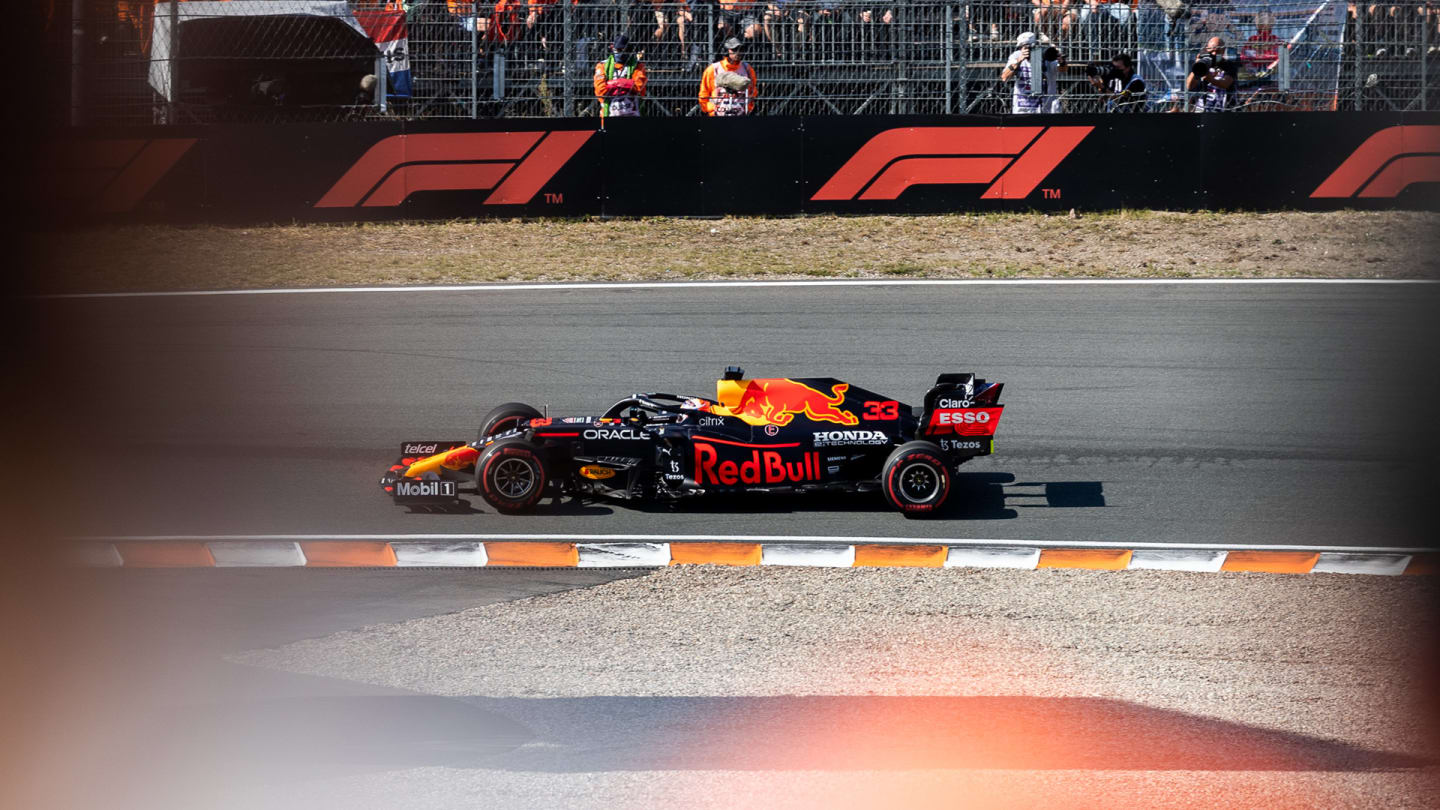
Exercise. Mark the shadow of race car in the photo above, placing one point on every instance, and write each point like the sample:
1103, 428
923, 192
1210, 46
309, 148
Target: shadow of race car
758, 435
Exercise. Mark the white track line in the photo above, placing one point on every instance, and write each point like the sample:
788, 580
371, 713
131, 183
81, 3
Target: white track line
681, 285
747, 538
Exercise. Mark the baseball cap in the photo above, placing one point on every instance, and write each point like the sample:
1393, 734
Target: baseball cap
621, 44
1027, 39
733, 44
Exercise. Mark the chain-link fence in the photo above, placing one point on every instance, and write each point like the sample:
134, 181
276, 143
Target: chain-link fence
140, 61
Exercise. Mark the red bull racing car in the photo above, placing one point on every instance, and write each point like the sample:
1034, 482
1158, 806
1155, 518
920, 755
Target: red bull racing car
757, 435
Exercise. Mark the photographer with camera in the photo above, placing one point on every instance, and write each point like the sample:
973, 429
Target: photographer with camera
1037, 81
1122, 90
1213, 75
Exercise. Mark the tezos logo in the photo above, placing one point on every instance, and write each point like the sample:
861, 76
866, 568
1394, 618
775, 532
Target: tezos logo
831, 438
625, 434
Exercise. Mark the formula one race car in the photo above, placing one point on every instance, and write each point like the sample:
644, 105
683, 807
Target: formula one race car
761, 435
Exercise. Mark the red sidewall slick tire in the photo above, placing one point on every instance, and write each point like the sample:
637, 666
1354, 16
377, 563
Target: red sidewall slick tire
511, 476
506, 417
916, 479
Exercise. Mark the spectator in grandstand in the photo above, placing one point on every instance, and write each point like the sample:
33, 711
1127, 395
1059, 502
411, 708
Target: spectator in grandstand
1216, 18
875, 29
1090, 17
777, 12
728, 87
1119, 86
1169, 22
620, 81
684, 15
1036, 79
1262, 49
1213, 76
737, 19
868, 16
1050, 14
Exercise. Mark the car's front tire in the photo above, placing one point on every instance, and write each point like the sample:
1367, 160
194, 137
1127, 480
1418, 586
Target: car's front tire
510, 475
506, 417
916, 479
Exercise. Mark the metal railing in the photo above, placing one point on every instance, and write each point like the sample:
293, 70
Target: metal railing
200, 61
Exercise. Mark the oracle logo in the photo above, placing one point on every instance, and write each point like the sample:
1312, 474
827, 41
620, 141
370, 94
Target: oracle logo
624, 434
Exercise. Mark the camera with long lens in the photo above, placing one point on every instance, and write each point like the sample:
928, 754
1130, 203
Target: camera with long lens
1204, 63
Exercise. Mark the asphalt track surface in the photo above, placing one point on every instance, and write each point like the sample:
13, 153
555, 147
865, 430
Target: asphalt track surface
1256, 414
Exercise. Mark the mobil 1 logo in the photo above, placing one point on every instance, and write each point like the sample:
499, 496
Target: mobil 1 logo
423, 490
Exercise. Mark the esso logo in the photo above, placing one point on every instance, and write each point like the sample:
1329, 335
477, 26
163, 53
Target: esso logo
964, 418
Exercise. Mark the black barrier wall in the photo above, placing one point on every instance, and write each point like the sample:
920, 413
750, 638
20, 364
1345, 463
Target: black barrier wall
762, 165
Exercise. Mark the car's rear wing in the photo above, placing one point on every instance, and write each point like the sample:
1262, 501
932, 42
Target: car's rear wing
961, 405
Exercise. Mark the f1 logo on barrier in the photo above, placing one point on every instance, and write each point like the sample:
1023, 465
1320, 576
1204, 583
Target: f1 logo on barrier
1013, 160
113, 176
516, 164
1386, 164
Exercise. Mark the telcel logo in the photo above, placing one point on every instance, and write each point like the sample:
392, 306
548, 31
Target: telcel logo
624, 434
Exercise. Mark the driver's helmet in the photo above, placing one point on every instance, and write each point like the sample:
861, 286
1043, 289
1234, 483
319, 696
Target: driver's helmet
695, 404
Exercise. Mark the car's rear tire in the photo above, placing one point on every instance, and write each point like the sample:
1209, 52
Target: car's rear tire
916, 479
506, 417
510, 475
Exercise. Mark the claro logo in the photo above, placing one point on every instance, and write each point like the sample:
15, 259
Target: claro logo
1386, 164
516, 164
1013, 160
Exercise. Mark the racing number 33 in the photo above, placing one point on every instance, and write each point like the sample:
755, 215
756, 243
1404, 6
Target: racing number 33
889, 409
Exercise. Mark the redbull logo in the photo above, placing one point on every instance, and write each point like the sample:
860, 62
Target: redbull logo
777, 400
763, 467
